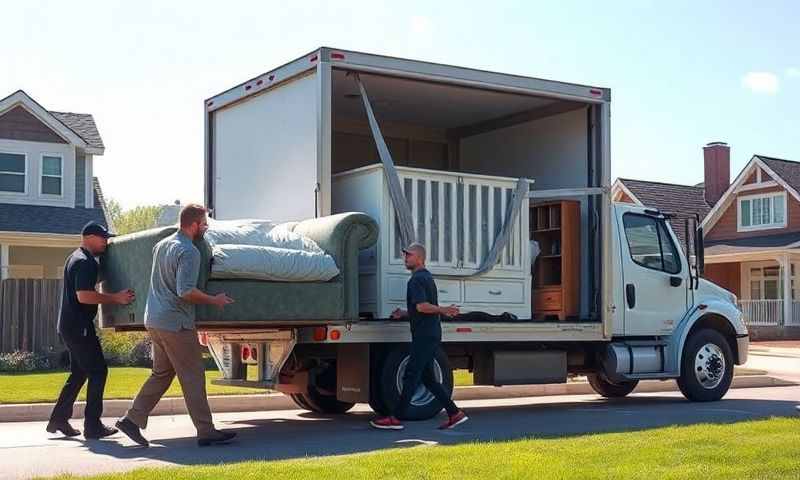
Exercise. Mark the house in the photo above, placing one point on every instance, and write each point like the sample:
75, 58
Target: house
751, 230
47, 191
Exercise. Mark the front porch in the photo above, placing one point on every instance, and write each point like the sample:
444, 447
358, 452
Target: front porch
766, 284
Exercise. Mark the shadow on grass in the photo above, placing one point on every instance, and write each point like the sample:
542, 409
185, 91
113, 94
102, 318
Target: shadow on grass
308, 434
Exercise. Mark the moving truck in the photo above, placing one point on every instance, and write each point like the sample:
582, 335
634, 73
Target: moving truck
481, 162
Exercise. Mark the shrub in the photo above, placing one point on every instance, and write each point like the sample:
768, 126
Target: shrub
24, 362
129, 349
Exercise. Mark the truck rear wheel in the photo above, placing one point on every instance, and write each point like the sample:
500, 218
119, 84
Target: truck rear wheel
606, 388
706, 366
320, 395
423, 404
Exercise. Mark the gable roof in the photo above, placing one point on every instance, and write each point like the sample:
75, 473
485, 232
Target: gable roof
82, 124
76, 128
57, 220
786, 173
681, 201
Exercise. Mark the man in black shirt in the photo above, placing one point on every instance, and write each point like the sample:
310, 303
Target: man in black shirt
426, 335
79, 300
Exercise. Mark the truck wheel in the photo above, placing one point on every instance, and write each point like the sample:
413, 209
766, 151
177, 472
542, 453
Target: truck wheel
423, 404
299, 401
320, 397
604, 387
706, 367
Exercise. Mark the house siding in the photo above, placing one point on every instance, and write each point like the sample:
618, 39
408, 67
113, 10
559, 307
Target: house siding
19, 124
623, 197
80, 180
726, 226
753, 177
726, 275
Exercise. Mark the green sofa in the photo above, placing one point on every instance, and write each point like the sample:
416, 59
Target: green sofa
128, 262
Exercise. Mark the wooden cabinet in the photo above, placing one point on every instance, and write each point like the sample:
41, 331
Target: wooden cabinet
556, 276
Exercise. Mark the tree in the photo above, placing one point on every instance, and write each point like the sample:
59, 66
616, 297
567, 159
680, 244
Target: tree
132, 220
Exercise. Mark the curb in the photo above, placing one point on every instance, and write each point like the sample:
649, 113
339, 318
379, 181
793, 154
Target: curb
277, 401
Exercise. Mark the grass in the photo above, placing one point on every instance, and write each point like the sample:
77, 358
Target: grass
748, 450
123, 383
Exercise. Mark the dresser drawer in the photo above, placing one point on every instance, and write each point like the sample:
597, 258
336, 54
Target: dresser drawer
494, 292
449, 291
545, 300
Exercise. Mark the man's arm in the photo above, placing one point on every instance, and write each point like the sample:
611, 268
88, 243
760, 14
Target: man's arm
93, 297
85, 281
188, 271
429, 308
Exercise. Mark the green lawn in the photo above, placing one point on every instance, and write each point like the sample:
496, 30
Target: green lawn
123, 382
758, 450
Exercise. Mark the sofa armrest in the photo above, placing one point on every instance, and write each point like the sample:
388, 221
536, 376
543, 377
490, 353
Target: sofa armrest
342, 236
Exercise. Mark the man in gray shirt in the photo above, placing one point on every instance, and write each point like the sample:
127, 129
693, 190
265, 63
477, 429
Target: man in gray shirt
169, 318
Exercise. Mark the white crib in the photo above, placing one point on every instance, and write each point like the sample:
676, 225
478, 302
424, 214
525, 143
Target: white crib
456, 216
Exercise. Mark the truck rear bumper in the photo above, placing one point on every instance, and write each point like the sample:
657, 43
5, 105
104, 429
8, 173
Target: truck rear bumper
743, 347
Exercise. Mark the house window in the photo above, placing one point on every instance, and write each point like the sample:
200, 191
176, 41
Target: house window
762, 211
12, 172
766, 283
52, 175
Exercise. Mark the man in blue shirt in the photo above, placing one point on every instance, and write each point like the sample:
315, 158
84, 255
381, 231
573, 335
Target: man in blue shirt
426, 336
79, 300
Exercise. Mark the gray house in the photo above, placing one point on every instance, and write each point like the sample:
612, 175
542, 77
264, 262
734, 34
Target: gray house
47, 190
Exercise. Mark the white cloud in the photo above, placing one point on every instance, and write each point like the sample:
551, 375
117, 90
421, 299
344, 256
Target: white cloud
793, 72
761, 82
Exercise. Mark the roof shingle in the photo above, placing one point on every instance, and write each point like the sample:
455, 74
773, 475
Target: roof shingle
83, 125
788, 170
681, 201
58, 220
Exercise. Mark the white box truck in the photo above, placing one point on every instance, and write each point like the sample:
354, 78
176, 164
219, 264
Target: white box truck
611, 294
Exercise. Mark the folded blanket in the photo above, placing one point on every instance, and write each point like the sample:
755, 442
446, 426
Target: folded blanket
271, 263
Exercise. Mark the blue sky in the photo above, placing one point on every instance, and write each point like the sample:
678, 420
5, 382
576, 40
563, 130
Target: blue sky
682, 73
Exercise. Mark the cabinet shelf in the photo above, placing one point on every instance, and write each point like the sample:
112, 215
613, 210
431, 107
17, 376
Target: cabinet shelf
556, 286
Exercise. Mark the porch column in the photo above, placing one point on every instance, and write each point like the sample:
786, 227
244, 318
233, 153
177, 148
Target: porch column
786, 268
3, 261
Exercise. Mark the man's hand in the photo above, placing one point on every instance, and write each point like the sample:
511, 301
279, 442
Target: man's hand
220, 300
124, 297
450, 311
397, 314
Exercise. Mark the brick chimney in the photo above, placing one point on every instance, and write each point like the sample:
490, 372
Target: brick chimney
717, 170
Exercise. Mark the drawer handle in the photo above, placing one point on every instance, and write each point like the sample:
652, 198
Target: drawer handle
442, 291
495, 292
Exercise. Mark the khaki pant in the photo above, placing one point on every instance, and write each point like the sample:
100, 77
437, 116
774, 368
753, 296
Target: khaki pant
175, 353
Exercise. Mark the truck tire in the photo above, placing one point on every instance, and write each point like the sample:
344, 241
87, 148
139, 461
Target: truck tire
324, 403
706, 366
320, 395
604, 387
299, 401
423, 405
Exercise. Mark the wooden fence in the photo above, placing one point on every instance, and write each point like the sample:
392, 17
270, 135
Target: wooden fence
29, 314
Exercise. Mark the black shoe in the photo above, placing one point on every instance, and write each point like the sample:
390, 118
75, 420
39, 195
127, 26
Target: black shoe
217, 437
132, 431
63, 427
96, 433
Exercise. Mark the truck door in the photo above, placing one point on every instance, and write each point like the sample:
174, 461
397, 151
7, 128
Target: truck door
655, 273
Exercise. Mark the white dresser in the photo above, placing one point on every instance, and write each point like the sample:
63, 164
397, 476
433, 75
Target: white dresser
456, 216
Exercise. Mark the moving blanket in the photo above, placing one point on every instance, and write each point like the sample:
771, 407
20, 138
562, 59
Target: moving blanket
261, 250
270, 263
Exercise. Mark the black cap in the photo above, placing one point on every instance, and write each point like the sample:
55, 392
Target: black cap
94, 228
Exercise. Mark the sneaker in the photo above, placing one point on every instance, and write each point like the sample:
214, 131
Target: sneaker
386, 423
217, 437
132, 431
454, 420
96, 433
64, 427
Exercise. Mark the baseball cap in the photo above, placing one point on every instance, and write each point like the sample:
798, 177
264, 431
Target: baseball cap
414, 248
94, 228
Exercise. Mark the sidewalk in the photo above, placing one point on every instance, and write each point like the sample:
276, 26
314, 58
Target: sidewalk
745, 378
